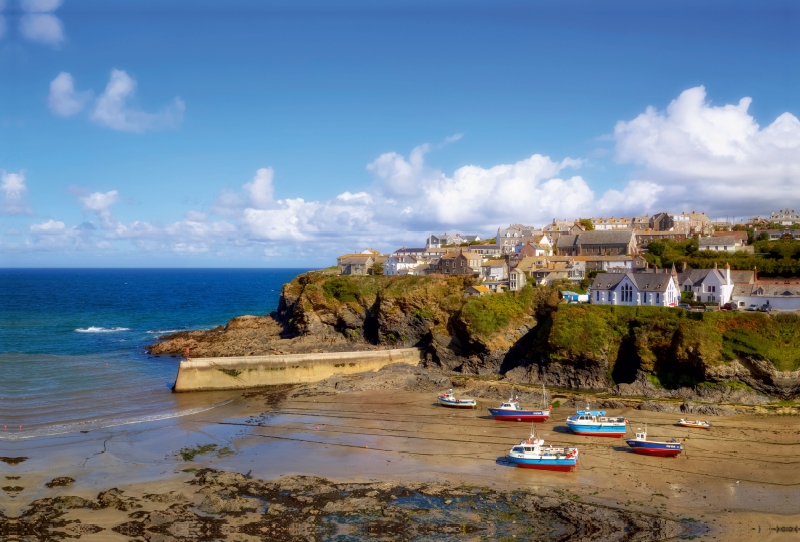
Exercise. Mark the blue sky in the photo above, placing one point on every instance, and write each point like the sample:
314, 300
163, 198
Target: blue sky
245, 133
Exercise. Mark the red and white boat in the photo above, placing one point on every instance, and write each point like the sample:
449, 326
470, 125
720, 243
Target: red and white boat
447, 399
512, 411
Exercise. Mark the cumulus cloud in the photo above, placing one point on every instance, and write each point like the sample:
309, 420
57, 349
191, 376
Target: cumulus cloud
13, 189
260, 188
38, 24
113, 109
51, 227
715, 157
63, 99
100, 203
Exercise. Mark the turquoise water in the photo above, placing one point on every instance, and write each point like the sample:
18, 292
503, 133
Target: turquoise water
72, 340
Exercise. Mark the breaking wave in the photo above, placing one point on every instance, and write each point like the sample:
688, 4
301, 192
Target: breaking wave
93, 329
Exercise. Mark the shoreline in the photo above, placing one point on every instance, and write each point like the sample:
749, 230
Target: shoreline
398, 436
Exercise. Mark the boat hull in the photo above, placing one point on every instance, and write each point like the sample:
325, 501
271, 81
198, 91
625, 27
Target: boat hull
609, 430
519, 415
656, 449
557, 465
450, 404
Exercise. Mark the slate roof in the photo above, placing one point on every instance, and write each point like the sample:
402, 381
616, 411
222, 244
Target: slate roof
768, 290
645, 282
738, 235
605, 237
716, 241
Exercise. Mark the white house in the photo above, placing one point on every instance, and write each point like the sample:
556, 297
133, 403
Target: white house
653, 289
779, 294
494, 270
517, 280
710, 285
396, 264
719, 244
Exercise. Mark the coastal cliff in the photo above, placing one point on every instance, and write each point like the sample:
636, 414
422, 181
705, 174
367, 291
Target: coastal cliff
527, 337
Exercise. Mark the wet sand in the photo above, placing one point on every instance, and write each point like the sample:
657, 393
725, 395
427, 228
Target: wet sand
741, 479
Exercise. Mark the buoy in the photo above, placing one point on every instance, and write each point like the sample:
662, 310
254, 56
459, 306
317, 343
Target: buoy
318, 428
364, 446
20, 427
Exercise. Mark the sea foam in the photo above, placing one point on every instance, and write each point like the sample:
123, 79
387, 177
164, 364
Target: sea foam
94, 329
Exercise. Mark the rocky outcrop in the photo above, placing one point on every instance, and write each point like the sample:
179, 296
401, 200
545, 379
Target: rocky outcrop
525, 338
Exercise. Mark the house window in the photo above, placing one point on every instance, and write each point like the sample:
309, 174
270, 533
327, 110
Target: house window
658, 298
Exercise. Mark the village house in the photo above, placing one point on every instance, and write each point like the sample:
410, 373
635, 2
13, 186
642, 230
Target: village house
597, 243
358, 264
654, 289
777, 294
740, 236
608, 264
494, 270
516, 280
529, 249
720, 244
511, 236
712, 285
401, 265
428, 253
774, 235
476, 291
621, 223
487, 251
459, 263
670, 222
438, 241
785, 217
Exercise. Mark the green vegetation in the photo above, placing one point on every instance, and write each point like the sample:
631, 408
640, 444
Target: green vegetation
231, 372
489, 314
586, 223
667, 343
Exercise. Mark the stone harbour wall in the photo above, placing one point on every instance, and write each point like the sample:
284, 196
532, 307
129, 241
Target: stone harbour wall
229, 373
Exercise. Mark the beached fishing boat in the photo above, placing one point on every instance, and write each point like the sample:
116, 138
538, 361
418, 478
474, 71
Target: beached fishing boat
447, 399
533, 454
696, 424
595, 423
641, 445
512, 411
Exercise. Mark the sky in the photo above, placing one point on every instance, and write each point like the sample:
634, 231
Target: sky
280, 134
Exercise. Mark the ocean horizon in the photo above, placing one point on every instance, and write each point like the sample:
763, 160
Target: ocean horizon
72, 340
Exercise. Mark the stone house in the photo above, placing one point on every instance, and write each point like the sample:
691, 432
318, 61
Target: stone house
356, 265
597, 243
720, 244
516, 280
459, 263
494, 270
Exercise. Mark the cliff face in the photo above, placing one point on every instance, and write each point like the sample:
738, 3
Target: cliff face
525, 337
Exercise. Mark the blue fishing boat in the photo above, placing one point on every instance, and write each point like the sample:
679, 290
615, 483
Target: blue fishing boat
512, 411
641, 445
595, 423
533, 454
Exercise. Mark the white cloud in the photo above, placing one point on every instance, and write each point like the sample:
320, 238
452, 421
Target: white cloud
100, 204
112, 108
714, 157
13, 189
38, 24
51, 227
64, 100
260, 188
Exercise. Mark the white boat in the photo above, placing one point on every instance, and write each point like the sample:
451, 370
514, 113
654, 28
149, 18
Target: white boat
696, 424
447, 399
533, 454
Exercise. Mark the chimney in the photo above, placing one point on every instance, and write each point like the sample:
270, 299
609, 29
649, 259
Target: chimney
727, 272
684, 266
715, 265
755, 273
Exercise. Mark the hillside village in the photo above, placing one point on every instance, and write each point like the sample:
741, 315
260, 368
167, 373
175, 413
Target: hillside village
669, 260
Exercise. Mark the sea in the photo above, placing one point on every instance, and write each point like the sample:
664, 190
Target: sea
72, 341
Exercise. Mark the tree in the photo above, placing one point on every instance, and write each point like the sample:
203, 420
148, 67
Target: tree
377, 269
657, 248
586, 223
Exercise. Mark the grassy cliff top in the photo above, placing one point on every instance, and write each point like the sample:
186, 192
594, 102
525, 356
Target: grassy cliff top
711, 338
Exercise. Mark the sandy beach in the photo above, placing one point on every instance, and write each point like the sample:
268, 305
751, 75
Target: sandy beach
737, 481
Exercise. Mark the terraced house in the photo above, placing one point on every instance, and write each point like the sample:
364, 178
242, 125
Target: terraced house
597, 243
